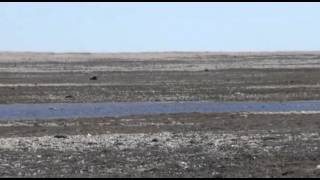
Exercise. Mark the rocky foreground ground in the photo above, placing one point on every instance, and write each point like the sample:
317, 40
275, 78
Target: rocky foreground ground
176, 145
162, 145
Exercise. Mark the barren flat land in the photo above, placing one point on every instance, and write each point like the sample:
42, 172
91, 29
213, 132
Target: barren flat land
224, 144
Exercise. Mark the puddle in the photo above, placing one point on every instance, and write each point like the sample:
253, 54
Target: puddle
76, 110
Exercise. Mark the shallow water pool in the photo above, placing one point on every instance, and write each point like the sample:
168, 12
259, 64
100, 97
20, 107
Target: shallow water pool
110, 109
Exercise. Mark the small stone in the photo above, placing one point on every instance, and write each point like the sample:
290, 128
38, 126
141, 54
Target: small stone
94, 78
318, 166
141, 169
69, 97
245, 115
184, 165
59, 136
91, 143
89, 135
214, 173
155, 140
17, 165
287, 173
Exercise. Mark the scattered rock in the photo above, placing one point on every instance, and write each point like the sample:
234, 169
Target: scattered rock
215, 174
59, 136
69, 97
102, 155
192, 141
318, 166
91, 143
17, 165
238, 93
245, 115
94, 78
118, 143
269, 138
155, 140
184, 165
287, 173
206, 70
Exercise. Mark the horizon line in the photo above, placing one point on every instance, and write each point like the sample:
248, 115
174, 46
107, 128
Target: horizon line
159, 52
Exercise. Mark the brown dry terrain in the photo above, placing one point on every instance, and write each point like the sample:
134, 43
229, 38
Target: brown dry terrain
161, 145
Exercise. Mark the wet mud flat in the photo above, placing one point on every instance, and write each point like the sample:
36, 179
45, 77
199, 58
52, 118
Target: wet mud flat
185, 144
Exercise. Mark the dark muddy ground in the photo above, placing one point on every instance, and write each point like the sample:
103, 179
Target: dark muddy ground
164, 145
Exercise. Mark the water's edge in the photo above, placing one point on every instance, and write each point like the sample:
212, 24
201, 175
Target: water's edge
109, 109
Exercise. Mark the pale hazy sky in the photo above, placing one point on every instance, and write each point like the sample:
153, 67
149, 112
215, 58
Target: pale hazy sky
118, 27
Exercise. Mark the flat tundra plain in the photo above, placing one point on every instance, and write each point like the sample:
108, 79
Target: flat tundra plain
240, 144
